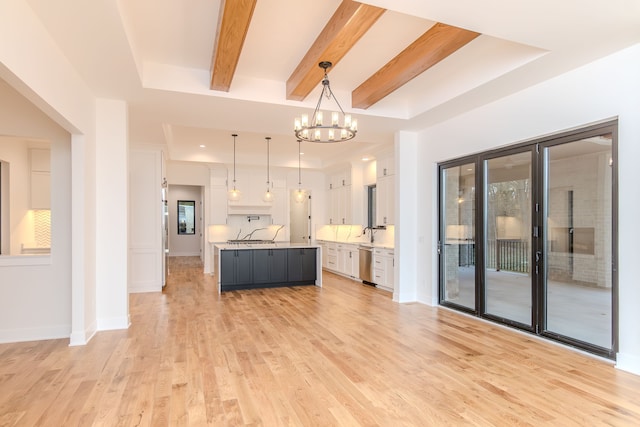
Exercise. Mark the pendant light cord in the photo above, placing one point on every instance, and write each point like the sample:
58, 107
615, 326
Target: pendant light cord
268, 138
299, 179
234, 160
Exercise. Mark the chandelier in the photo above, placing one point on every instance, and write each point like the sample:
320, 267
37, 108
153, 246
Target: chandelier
340, 127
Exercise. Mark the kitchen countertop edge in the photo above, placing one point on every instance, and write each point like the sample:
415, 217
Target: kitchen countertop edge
275, 245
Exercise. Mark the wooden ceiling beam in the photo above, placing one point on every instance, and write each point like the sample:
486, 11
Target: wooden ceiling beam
233, 23
347, 25
433, 46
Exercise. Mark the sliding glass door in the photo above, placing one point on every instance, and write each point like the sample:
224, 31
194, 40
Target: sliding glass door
579, 240
507, 224
458, 246
528, 237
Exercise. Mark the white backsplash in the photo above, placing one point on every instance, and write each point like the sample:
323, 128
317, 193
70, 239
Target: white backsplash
239, 227
355, 234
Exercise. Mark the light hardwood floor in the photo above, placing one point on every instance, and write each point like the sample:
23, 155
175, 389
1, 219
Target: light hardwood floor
343, 355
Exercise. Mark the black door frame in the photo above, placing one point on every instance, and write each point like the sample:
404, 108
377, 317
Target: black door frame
538, 254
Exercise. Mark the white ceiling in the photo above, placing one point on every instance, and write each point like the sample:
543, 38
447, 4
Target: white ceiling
156, 54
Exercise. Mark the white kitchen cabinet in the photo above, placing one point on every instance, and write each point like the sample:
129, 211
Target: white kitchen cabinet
252, 185
279, 206
385, 165
342, 258
218, 194
385, 189
40, 174
40, 190
384, 268
340, 179
351, 261
348, 257
385, 200
339, 206
332, 257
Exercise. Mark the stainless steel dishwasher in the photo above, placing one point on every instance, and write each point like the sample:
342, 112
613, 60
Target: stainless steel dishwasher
366, 275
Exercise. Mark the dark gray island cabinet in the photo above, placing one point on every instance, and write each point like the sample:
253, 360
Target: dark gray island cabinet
247, 266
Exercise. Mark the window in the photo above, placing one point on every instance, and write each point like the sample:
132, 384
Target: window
371, 206
186, 217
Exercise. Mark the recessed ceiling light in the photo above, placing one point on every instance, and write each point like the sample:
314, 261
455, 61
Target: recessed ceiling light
301, 153
202, 146
366, 159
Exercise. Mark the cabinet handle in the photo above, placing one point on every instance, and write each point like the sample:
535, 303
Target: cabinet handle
384, 171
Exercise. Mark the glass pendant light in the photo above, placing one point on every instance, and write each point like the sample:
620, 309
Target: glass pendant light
234, 194
300, 194
268, 195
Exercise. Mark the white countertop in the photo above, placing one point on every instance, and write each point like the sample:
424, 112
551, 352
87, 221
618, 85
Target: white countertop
275, 245
367, 244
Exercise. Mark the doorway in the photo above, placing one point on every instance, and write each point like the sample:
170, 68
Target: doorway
300, 216
185, 221
527, 237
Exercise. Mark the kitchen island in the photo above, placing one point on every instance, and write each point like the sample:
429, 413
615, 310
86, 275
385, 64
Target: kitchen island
249, 266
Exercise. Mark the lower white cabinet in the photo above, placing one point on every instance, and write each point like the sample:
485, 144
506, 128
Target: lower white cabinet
332, 257
348, 260
383, 268
342, 258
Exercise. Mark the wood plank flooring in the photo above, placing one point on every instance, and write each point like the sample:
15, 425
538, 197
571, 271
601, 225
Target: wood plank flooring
342, 355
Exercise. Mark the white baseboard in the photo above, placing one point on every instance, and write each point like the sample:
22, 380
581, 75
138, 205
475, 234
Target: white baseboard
35, 334
142, 287
113, 323
172, 254
82, 337
628, 362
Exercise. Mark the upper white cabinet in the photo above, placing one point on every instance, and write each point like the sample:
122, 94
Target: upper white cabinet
218, 192
40, 185
385, 166
339, 197
340, 179
385, 190
280, 202
252, 184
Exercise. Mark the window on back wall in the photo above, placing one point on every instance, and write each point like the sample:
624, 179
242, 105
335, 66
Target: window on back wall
371, 206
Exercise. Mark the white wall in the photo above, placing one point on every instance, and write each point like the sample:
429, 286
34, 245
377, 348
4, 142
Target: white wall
35, 300
112, 213
64, 97
602, 90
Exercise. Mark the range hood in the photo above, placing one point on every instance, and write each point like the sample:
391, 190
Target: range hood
248, 209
